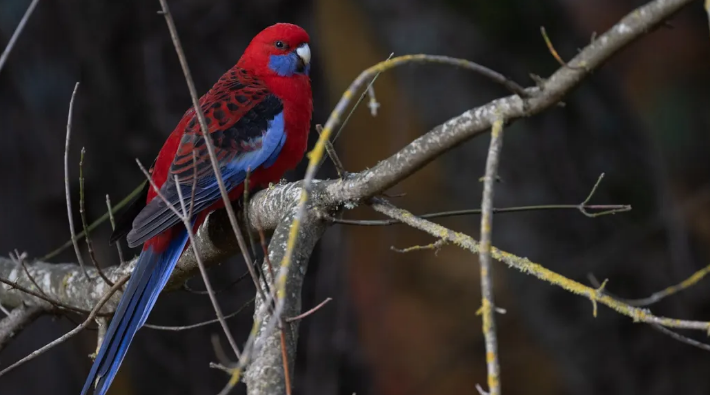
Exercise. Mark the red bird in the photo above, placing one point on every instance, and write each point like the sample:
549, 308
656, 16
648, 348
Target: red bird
259, 116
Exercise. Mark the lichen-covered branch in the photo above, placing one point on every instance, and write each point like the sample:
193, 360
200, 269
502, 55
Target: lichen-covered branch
65, 283
537, 270
487, 304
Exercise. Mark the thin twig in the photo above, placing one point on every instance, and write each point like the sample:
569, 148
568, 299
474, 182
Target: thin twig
487, 303
82, 214
41, 296
677, 336
94, 224
607, 209
373, 104
284, 358
20, 261
219, 350
583, 206
660, 295
199, 324
252, 243
309, 312
209, 144
190, 234
382, 66
683, 339
89, 319
79, 259
191, 290
333, 154
221, 367
102, 326
432, 246
357, 104
553, 51
4, 310
534, 269
16, 34
113, 227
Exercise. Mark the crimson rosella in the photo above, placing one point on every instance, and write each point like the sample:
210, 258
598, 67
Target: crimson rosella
259, 116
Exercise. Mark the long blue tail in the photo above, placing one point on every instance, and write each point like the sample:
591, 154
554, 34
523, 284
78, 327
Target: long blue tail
148, 279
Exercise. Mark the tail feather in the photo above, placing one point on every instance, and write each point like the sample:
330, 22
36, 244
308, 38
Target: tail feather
150, 275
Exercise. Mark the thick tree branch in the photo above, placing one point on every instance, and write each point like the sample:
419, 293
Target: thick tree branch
265, 375
65, 282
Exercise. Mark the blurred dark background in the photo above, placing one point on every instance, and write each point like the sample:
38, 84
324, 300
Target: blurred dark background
400, 324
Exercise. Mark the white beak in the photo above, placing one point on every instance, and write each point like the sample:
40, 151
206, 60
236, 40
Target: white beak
304, 52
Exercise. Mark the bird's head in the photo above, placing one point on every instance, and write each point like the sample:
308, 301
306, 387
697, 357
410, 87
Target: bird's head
279, 50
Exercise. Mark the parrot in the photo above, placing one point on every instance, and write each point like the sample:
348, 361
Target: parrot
258, 116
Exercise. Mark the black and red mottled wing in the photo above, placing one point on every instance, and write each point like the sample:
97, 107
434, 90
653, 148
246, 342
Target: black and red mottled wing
246, 125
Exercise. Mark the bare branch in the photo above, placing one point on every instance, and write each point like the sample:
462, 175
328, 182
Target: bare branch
82, 213
67, 190
71, 333
660, 295
309, 312
681, 338
487, 303
40, 295
552, 49
339, 168
16, 34
199, 324
583, 207
534, 269
95, 224
113, 227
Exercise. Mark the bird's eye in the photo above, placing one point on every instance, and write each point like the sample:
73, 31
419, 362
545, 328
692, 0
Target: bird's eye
279, 44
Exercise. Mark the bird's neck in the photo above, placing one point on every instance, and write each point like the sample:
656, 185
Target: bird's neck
295, 94
294, 91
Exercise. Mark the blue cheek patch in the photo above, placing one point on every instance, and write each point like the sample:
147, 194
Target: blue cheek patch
285, 65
